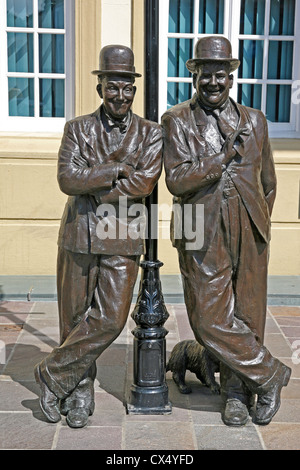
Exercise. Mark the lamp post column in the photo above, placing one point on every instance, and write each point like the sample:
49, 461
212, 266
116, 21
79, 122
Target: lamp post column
149, 391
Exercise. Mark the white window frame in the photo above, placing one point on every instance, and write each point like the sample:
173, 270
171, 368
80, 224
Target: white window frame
231, 31
36, 123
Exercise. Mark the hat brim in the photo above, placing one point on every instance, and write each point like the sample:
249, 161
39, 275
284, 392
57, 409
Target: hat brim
116, 72
192, 64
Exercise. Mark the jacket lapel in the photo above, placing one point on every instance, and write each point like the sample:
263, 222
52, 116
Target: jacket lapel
242, 145
99, 146
207, 132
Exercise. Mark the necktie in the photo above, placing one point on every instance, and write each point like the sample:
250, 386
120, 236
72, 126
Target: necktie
224, 127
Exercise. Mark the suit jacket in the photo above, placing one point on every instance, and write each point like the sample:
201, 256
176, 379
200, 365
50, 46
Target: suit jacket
88, 174
194, 172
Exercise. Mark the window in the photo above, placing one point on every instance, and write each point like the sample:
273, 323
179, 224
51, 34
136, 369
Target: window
35, 75
263, 37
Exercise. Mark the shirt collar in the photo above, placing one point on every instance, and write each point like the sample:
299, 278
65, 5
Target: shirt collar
218, 110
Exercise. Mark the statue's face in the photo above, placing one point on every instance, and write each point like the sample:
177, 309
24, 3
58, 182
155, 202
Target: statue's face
213, 83
117, 93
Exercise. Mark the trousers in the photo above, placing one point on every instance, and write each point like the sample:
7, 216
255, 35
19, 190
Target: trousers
94, 299
225, 290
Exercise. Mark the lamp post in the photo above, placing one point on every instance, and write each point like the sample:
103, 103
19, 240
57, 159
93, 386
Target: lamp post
149, 391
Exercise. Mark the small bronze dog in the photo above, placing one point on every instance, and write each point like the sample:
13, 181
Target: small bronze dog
192, 356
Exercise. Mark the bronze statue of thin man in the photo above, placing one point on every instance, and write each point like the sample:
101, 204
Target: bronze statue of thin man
104, 156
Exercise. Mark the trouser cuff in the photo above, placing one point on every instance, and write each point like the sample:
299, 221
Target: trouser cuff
52, 384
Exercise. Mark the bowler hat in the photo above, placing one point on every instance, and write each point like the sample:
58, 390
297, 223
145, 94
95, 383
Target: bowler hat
116, 59
212, 49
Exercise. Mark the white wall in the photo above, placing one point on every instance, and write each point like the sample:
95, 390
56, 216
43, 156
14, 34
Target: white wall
116, 22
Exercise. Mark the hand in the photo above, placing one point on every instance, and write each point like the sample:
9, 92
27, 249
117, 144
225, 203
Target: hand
228, 149
124, 170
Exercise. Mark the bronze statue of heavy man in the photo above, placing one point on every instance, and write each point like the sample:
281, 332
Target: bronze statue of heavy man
217, 154
108, 161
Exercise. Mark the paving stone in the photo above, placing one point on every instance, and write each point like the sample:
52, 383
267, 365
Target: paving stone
44, 310
7, 319
153, 435
292, 390
288, 321
281, 436
227, 438
271, 326
277, 345
115, 354
15, 307
206, 415
21, 431
195, 421
285, 311
18, 396
291, 331
289, 411
40, 332
90, 438
109, 410
111, 380
20, 366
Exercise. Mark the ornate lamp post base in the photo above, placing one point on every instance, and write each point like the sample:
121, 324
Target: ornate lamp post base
149, 391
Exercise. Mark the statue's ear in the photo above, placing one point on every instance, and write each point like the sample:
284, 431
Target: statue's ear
231, 80
134, 90
99, 90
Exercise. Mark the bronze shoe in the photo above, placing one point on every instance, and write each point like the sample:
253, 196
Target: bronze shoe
268, 403
78, 417
49, 402
235, 413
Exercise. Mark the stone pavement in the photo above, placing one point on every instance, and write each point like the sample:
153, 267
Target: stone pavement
29, 331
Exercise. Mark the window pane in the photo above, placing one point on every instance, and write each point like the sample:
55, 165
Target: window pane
282, 17
19, 13
20, 52
250, 95
51, 53
252, 17
251, 57
181, 16
278, 103
211, 17
179, 51
51, 14
52, 102
280, 62
178, 92
21, 96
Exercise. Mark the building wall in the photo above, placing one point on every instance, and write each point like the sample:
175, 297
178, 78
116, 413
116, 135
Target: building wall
285, 243
31, 202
